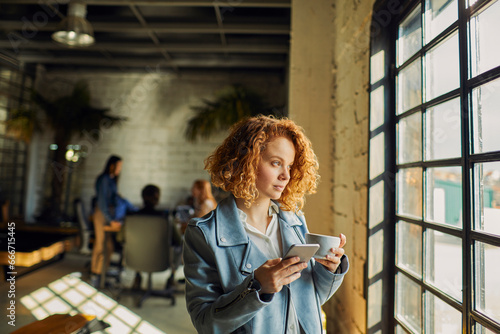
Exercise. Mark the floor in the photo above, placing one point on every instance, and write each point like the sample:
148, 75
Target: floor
60, 288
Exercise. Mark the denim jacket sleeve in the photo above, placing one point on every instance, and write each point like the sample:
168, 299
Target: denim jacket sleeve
326, 282
212, 309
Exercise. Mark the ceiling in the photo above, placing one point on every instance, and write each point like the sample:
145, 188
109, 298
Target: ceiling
165, 35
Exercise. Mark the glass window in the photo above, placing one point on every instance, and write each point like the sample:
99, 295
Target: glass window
441, 317
443, 257
409, 87
443, 195
409, 130
487, 272
486, 118
409, 247
409, 192
483, 330
443, 98
410, 36
442, 68
439, 14
408, 302
485, 45
442, 131
487, 195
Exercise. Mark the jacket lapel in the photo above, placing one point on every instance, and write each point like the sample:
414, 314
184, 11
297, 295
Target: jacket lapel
231, 234
288, 235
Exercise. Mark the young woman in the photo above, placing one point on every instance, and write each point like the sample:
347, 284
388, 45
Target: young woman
203, 200
237, 280
107, 199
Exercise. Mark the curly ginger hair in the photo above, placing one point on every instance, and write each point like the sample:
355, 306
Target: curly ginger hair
233, 166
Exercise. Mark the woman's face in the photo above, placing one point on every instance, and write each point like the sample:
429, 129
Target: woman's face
273, 173
117, 168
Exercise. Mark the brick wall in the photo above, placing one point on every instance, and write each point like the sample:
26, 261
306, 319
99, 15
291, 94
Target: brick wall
329, 77
151, 142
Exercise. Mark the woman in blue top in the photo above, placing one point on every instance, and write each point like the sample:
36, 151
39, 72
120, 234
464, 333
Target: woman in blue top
236, 278
104, 213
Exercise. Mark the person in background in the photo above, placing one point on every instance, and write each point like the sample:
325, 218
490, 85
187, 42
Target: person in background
151, 196
236, 278
203, 200
107, 200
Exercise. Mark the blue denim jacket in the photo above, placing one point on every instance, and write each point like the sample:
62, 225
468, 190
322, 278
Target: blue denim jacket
221, 293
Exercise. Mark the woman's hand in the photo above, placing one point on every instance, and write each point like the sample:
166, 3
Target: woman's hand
275, 273
332, 262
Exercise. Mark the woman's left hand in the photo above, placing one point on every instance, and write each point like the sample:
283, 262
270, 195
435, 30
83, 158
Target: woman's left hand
332, 262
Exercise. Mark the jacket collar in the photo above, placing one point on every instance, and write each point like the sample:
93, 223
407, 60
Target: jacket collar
230, 230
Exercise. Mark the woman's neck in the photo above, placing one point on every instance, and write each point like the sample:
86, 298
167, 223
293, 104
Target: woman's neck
257, 213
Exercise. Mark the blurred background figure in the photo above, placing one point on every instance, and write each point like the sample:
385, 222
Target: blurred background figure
203, 200
151, 197
107, 205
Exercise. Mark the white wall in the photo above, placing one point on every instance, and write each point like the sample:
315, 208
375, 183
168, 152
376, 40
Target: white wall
151, 142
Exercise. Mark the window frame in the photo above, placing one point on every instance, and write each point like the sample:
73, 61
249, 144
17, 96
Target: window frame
385, 39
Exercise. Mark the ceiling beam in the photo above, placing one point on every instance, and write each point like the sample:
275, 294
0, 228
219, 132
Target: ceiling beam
159, 62
150, 48
191, 28
167, 3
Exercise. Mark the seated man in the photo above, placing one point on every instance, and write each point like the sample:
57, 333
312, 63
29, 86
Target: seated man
151, 197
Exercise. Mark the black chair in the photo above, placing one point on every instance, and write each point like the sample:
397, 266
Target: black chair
147, 248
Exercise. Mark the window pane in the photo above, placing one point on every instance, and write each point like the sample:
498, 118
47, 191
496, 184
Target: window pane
409, 192
487, 272
439, 15
408, 302
443, 196
441, 317
485, 41
443, 255
409, 36
409, 247
400, 330
442, 131
487, 197
409, 132
441, 68
486, 118
409, 87
482, 330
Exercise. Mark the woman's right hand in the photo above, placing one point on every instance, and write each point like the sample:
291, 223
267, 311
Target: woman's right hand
275, 273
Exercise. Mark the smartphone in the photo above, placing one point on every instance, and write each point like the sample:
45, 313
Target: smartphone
304, 251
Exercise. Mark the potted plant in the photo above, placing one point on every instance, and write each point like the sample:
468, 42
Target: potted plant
231, 105
67, 116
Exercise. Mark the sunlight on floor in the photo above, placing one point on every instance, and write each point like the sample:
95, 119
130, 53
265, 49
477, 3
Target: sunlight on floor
71, 295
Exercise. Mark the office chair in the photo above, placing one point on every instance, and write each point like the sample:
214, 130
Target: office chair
147, 248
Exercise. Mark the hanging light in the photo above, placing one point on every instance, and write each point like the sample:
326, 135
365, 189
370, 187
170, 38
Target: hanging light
75, 30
